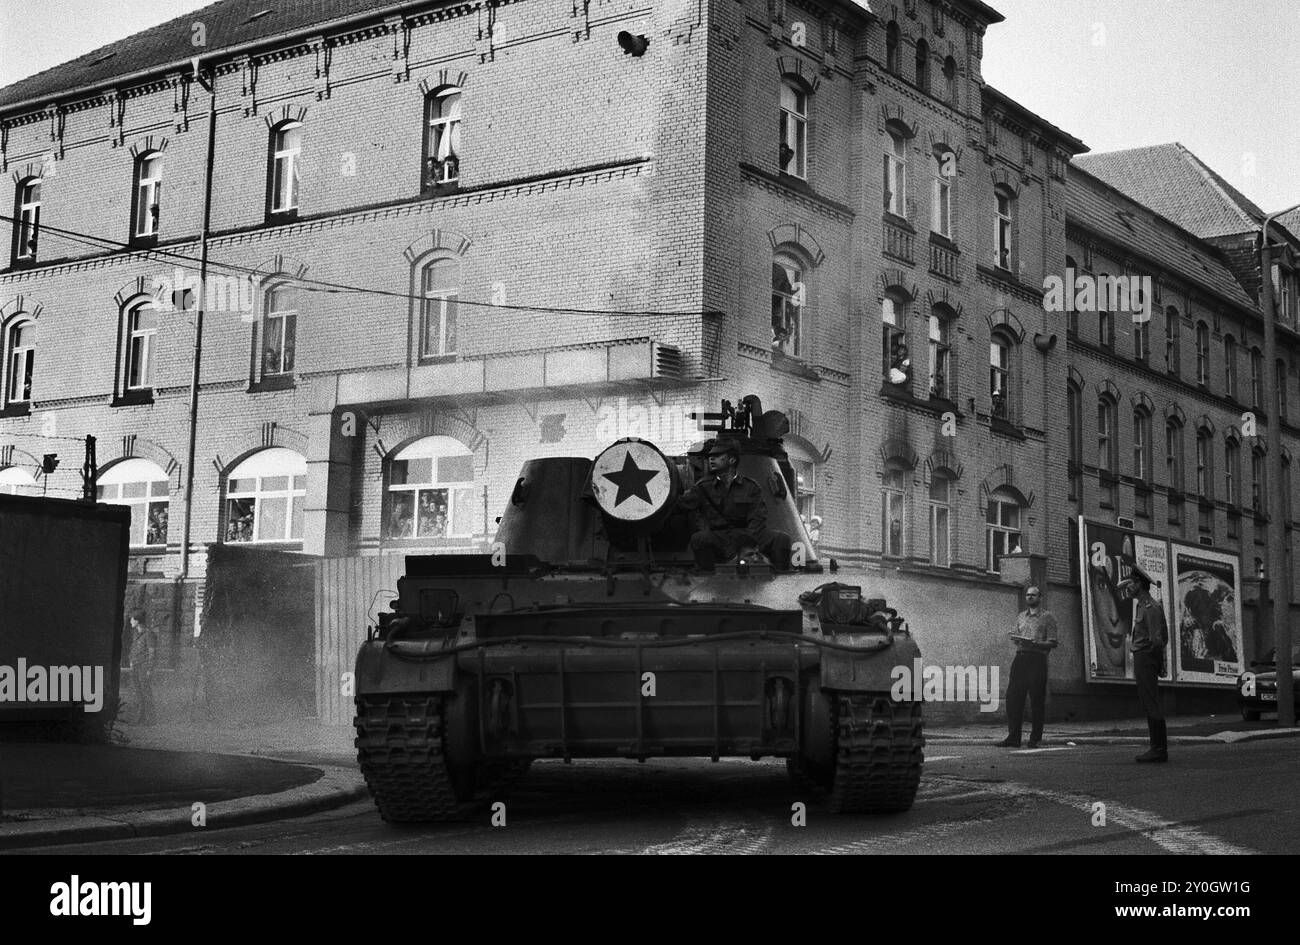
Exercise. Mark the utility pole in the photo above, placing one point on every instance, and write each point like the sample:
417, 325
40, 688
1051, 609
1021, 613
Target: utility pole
1277, 570
209, 83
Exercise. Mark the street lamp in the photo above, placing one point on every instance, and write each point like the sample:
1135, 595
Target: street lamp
1279, 574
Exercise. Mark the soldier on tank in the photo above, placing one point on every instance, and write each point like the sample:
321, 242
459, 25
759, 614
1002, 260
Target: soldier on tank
728, 515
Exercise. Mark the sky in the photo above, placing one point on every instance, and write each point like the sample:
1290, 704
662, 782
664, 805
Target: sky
1220, 76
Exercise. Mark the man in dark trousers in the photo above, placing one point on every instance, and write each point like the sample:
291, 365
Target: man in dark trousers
728, 515
1034, 637
144, 653
1148, 642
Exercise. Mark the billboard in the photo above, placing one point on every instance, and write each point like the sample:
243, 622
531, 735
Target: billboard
1199, 589
1207, 630
1105, 556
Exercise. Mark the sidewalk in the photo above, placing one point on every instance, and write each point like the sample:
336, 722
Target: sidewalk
53, 793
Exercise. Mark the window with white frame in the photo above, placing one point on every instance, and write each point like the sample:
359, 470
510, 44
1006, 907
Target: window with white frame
431, 490
941, 354
1142, 340
793, 151
1172, 337
141, 329
28, 219
143, 487
279, 331
439, 292
22, 362
1256, 377
1000, 376
941, 520
17, 481
1141, 445
895, 360
286, 157
1174, 455
148, 194
442, 122
896, 174
1230, 366
1231, 470
264, 497
945, 169
789, 295
1108, 449
1205, 479
893, 512
805, 478
1002, 528
1005, 228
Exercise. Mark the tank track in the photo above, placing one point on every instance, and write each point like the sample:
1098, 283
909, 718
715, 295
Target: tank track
878, 760
399, 750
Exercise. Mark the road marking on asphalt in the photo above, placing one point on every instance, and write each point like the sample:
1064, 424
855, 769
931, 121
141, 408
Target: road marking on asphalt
929, 759
1039, 751
715, 836
1170, 835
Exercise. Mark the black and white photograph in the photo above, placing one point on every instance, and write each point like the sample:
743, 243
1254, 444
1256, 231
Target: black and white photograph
668, 427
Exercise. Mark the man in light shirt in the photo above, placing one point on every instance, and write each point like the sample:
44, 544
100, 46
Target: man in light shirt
1034, 637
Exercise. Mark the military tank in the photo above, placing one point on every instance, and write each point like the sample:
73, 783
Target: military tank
591, 631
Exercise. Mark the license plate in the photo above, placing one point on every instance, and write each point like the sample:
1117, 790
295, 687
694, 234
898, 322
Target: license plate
1268, 697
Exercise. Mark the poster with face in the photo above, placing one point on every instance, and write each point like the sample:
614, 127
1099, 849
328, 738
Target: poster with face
1106, 555
1207, 630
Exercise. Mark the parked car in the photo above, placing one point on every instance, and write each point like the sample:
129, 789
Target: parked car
1264, 695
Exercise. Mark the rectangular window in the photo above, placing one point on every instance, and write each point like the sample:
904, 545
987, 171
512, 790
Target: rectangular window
896, 176
142, 326
891, 521
1171, 341
941, 204
29, 219
940, 354
148, 193
1003, 532
1003, 247
22, 360
999, 378
794, 131
1142, 340
286, 159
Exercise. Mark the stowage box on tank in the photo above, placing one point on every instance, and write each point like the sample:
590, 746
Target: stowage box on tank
643, 606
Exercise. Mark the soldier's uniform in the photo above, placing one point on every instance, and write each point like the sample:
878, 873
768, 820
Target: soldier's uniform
728, 518
1150, 636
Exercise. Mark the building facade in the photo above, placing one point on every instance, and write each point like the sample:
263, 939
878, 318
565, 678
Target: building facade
445, 239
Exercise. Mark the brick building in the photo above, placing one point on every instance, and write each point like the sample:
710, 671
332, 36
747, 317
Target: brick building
446, 238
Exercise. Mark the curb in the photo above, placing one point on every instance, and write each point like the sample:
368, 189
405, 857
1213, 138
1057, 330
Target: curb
335, 787
1221, 738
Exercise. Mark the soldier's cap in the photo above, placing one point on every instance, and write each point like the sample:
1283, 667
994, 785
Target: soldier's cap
723, 446
1137, 574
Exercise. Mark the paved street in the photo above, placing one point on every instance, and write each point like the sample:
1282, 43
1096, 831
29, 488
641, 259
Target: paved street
1212, 798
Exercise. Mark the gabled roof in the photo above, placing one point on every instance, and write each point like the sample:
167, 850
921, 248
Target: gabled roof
1094, 205
1175, 183
228, 25
1291, 221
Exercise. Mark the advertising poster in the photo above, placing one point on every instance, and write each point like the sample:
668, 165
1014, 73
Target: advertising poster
1105, 556
1207, 630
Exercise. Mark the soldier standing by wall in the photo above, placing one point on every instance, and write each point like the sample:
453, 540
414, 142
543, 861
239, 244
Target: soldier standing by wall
1150, 637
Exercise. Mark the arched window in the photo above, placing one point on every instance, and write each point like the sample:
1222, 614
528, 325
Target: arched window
1232, 485
896, 360
1230, 366
789, 296
16, 481
950, 80
146, 200
279, 332
1174, 454
923, 65
941, 372
143, 487
1172, 337
1202, 353
286, 157
896, 173
1256, 377
27, 219
141, 327
941, 520
793, 151
1108, 449
1004, 245
442, 137
264, 497
431, 490
941, 203
1205, 478
893, 512
1000, 378
439, 292
21, 362
1002, 527
1074, 439
1142, 462
891, 47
